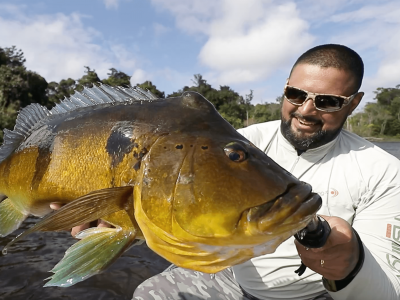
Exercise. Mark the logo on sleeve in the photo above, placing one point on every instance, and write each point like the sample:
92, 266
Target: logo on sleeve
332, 193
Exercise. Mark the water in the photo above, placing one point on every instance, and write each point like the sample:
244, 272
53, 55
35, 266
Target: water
27, 264
23, 270
392, 148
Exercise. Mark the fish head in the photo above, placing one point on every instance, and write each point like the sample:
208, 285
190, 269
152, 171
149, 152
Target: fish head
206, 184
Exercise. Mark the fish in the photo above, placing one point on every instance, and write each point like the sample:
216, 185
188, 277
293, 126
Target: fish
170, 171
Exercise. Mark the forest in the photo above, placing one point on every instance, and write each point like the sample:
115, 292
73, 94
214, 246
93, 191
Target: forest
19, 87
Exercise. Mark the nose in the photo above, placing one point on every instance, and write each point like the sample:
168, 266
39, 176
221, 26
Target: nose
307, 107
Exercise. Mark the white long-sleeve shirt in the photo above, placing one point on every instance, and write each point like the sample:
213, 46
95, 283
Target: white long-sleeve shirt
358, 182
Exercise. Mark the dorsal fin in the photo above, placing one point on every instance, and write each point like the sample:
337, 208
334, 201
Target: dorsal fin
34, 114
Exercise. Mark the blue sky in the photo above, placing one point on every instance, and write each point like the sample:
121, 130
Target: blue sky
246, 44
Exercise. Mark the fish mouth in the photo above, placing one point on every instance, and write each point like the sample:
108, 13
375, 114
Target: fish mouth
292, 209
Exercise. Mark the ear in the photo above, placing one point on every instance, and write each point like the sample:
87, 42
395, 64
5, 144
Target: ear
354, 103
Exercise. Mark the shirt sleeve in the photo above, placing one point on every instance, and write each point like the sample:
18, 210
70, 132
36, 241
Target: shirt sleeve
377, 222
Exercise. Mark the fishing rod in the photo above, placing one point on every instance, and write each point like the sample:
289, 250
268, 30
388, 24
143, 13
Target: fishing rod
314, 235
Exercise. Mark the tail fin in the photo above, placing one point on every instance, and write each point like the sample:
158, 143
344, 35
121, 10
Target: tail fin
10, 217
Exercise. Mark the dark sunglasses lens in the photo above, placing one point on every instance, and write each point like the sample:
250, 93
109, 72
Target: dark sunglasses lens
295, 96
328, 102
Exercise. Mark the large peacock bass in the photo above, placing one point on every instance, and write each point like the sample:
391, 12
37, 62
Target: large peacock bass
170, 171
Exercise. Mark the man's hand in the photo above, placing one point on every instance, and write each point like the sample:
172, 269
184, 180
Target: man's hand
338, 257
75, 230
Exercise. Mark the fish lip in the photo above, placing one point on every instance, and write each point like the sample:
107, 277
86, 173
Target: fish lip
297, 204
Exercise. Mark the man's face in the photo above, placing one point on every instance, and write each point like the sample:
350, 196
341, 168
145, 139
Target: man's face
304, 126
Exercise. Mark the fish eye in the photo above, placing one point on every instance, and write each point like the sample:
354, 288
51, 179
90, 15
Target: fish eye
236, 152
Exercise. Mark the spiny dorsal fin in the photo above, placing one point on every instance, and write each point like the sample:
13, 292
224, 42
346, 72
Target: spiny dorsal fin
28, 117
34, 114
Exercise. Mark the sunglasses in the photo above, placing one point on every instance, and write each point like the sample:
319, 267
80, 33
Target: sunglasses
322, 102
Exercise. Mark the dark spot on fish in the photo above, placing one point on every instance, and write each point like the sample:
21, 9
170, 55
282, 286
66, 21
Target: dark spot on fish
2, 196
42, 163
135, 145
148, 170
191, 145
204, 147
179, 146
165, 147
137, 165
118, 145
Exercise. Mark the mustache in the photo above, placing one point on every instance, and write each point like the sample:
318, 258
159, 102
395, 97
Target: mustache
305, 118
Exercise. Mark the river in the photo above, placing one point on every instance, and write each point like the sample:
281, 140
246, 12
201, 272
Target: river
23, 270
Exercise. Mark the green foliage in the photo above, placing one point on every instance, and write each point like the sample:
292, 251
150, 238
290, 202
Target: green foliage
117, 78
380, 118
88, 79
148, 85
233, 107
18, 87
58, 91
266, 112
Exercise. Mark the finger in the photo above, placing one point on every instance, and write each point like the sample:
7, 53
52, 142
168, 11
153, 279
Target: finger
102, 223
75, 230
327, 254
55, 205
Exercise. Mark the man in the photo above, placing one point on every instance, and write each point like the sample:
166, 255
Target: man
358, 182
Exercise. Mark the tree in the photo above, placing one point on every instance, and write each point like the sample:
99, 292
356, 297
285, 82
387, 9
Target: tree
229, 103
148, 85
18, 87
117, 78
58, 91
88, 79
66, 87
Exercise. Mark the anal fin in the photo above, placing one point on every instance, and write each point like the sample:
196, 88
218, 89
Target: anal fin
10, 217
97, 249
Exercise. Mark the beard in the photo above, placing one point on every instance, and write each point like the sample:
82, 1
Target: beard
301, 142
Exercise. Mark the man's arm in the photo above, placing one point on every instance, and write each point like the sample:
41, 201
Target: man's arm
377, 222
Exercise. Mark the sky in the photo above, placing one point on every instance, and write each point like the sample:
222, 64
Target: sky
245, 44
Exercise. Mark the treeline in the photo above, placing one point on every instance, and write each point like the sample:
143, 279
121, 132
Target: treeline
380, 119
19, 87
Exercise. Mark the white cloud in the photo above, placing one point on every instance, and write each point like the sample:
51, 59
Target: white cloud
59, 46
111, 4
160, 29
123, 57
388, 12
376, 33
191, 16
256, 48
139, 76
246, 40
249, 41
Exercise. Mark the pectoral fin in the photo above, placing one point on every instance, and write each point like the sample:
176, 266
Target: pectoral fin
97, 249
85, 209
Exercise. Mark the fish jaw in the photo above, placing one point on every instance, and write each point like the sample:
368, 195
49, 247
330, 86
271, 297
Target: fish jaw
287, 214
256, 233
